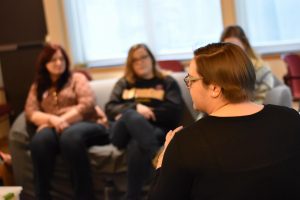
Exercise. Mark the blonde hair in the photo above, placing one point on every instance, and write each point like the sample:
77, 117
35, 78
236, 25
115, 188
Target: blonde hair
130, 75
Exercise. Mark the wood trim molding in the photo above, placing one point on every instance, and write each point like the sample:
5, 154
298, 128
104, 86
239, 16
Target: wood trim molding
228, 12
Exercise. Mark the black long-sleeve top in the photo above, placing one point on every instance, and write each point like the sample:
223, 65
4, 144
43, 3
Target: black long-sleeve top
163, 95
237, 158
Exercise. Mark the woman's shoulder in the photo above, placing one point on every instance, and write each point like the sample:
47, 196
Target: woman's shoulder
167, 77
283, 112
196, 129
33, 87
168, 80
277, 108
77, 76
122, 81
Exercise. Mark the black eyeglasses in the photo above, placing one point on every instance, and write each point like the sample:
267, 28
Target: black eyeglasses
144, 57
188, 79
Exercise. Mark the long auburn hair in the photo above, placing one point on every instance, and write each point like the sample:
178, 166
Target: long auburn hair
42, 79
130, 75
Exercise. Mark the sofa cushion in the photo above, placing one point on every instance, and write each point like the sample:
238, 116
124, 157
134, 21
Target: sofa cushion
102, 90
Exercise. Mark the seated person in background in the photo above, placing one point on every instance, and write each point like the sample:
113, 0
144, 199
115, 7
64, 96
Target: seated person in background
264, 77
144, 104
61, 106
240, 150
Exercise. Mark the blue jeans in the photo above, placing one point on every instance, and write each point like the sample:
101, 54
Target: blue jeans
72, 143
142, 140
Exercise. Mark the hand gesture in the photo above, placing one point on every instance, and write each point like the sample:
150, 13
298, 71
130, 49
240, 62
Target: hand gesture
169, 137
146, 112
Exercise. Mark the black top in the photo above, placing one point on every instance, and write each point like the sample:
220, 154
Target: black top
248, 157
163, 95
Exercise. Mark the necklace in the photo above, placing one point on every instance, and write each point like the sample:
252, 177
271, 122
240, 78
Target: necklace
55, 97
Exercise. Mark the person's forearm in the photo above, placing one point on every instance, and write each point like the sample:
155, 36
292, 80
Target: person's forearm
40, 118
72, 116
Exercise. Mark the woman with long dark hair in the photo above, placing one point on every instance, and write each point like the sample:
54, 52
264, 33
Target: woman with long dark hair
61, 106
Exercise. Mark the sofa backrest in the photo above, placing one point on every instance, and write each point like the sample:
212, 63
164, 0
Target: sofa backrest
103, 88
279, 95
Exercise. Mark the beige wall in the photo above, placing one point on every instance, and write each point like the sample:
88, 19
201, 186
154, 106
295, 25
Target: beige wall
228, 13
56, 23
57, 32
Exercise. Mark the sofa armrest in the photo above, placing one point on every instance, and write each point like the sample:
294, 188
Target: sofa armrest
18, 144
18, 131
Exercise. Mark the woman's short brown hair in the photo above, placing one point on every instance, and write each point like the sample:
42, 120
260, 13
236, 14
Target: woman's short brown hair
226, 65
129, 73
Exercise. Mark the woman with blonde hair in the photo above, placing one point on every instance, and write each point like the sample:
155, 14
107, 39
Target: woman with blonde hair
144, 104
264, 77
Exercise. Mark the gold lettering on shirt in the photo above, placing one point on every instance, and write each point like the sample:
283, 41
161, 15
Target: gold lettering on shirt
139, 93
128, 94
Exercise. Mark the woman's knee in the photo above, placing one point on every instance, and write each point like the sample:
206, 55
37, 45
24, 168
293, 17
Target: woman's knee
70, 139
44, 141
131, 117
83, 135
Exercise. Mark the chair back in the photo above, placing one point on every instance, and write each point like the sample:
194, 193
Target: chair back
172, 65
292, 79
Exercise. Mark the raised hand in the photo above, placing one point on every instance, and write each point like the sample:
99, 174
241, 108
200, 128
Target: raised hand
169, 137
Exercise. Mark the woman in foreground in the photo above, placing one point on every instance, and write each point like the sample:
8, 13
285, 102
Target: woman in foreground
240, 150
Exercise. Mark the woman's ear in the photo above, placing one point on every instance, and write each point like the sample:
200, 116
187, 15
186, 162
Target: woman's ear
215, 90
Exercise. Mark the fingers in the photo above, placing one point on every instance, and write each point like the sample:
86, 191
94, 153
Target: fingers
178, 129
61, 126
6, 157
169, 137
103, 122
146, 112
171, 134
118, 117
151, 115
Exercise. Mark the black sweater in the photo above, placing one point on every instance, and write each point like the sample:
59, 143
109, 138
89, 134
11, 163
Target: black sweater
237, 158
163, 95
